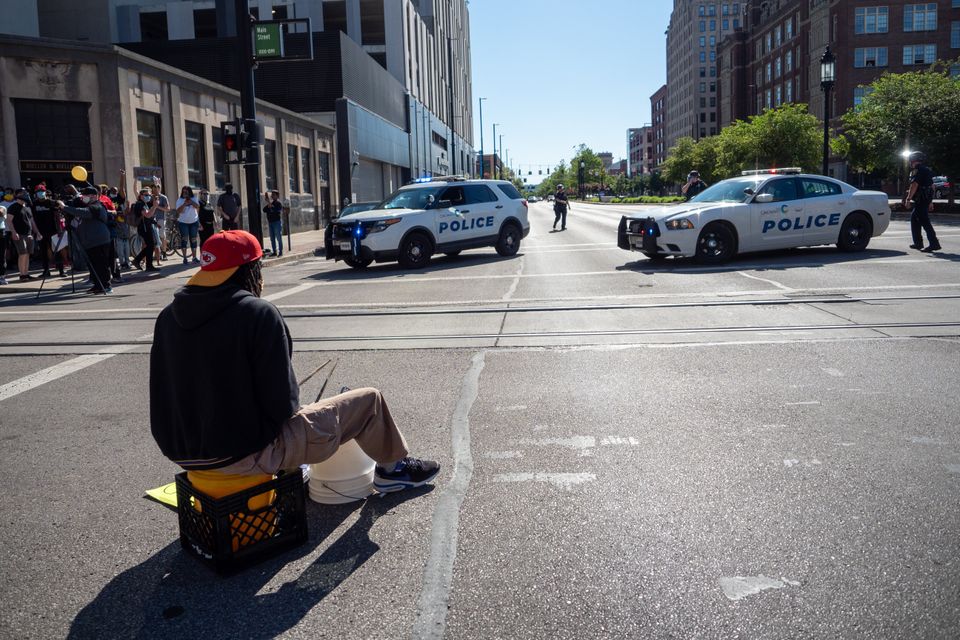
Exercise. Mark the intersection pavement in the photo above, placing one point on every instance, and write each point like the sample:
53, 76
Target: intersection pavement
764, 449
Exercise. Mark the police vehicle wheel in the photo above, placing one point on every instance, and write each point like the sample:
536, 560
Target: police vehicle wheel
416, 251
509, 242
358, 263
716, 244
451, 254
939, 194
854, 233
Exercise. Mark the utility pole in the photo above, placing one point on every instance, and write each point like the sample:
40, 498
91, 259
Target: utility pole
501, 160
248, 111
494, 162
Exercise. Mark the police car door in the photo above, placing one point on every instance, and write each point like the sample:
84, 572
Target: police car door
825, 203
452, 202
775, 210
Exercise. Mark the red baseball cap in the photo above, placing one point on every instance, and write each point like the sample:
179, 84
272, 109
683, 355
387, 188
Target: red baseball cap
222, 254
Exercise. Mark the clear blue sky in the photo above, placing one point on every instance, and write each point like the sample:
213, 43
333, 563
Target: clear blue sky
557, 74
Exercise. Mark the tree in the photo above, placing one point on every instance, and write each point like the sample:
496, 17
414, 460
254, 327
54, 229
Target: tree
782, 137
919, 110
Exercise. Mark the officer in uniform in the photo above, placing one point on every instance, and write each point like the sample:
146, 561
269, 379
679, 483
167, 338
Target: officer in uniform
921, 194
560, 206
694, 185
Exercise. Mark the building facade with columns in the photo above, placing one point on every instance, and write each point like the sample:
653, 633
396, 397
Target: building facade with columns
393, 77
99, 106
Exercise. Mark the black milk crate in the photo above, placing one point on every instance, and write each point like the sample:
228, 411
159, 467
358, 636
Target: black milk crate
227, 535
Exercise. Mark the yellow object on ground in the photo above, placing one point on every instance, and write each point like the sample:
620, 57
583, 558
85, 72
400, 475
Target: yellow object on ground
244, 528
167, 494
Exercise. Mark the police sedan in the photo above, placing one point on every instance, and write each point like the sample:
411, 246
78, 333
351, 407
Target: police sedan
759, 211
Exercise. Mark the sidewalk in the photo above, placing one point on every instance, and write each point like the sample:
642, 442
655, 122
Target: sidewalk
305, 244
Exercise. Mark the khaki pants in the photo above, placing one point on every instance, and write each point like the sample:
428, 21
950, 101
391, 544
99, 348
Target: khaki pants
316, 431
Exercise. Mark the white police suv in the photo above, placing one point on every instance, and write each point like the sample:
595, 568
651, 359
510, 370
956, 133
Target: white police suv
758, 211
443, 215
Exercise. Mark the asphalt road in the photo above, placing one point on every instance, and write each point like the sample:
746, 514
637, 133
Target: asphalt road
768, 449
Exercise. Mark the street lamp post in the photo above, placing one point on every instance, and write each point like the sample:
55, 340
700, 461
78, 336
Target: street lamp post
580, 179
481, 137
828, 75
493, 161
500, 146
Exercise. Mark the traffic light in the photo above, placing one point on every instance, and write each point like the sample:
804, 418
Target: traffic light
234, 147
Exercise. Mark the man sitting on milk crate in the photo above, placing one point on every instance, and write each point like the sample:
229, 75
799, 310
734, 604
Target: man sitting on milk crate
235, 410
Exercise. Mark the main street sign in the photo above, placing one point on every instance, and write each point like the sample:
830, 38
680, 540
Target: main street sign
282, 40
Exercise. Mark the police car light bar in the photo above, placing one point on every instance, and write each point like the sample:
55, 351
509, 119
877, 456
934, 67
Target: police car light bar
786, 171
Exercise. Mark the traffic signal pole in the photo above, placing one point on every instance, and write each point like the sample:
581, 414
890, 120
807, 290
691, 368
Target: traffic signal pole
248, 111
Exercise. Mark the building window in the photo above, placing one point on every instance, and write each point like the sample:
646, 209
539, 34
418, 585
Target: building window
759, 49
294, 175
196, 154
153, 26
859, 94
713, 72
703, 103
870, 57
703, 56
713, 56
713, 25
919, 54
778, 96
768, 41
703, 87
219, 179
703, 41
759, 78
713, 41
701, 11
769, 72
788, 91
777, 68
205, 23
712, 10
955, 35
777, 37
713, 102
703, 72
703, 26
270, 164
703, 117
713, 116
788, 62
871, 20
920, 17
148, 139
703, 132
788, 29
769, 98
306, 173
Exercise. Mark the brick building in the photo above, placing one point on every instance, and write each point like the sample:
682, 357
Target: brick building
658, 120
774, 57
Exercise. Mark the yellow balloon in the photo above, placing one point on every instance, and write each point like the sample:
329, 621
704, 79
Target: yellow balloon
79, 173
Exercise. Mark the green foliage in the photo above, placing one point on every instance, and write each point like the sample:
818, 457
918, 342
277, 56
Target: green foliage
787, 136
919, 110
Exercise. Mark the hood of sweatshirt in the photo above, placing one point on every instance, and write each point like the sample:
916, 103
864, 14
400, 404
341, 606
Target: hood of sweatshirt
194, 307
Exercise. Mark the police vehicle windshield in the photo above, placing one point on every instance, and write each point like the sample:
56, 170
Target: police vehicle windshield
729, 190
416, 198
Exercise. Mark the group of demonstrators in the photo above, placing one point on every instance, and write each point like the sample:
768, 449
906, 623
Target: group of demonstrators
92, 228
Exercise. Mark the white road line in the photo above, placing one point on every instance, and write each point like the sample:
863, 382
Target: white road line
290, 292
62, 369
773, 282
431, 620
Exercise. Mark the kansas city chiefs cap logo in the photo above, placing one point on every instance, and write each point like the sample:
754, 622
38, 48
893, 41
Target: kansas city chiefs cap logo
207, 258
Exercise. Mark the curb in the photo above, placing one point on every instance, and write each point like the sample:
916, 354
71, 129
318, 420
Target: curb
285, 258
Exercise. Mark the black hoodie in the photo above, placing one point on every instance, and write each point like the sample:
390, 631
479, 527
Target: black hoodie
221, 380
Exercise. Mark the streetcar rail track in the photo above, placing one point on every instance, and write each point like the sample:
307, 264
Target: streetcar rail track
677, 331
789, 300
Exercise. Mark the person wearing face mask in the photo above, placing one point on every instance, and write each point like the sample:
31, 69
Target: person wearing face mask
93, 235
228, 206
143, 212
205, 215
47, 216
160, 206
3, 245
23, 230
122, 240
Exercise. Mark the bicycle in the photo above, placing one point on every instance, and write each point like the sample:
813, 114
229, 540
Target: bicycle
174, 241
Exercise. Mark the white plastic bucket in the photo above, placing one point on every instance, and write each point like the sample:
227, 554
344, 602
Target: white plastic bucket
346, 476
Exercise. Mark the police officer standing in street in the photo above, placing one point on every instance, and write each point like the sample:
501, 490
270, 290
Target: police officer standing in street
694, 185
560, 206
921, 194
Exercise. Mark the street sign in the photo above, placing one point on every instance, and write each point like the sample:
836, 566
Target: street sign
267, 40
282, 40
